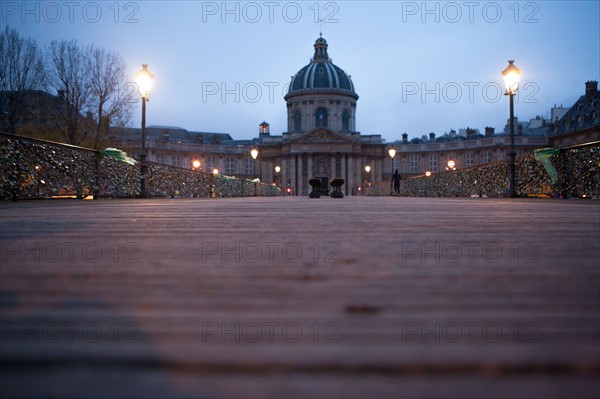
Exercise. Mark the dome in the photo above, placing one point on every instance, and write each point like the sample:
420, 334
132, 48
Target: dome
321, 75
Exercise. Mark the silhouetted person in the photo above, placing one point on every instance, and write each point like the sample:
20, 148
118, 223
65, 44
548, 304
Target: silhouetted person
396, 178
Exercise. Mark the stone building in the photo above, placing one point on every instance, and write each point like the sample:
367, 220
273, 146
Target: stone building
576, 125
581, 123
433, 154
321, 141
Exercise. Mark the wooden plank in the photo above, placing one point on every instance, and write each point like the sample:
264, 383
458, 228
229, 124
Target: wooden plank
269, 297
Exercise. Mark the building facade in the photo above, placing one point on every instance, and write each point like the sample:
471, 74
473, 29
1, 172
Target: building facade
321, 141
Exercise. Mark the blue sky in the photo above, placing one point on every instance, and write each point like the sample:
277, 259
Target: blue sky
418, 67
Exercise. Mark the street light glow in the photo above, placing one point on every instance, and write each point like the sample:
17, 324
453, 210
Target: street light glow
254, 153
511, 77
144, 81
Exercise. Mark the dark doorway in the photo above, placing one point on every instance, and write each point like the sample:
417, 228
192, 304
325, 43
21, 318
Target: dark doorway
324, 185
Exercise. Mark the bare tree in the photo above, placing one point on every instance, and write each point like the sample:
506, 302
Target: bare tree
21, 71
69, 76
111, 99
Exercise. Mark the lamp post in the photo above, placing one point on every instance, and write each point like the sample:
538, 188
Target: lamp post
213, 188
254, 154
392, 153
276, 178
451, 165
511, 82
144, 82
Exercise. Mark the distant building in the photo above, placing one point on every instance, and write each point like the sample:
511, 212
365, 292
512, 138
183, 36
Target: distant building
418, 156
557, 113
179, 147
567, 126
322, 141
581, 123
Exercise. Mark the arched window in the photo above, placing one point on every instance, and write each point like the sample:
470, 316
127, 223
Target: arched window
321, 117
297, 121
346, 121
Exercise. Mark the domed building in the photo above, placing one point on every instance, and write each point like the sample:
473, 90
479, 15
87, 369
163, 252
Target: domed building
321, 95
321, 141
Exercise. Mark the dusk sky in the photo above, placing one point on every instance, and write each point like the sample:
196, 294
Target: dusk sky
417, 67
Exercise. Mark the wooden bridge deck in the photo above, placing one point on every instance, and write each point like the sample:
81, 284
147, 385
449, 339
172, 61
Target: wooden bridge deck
292, 297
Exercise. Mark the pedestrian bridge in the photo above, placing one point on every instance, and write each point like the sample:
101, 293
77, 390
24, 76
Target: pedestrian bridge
292, 297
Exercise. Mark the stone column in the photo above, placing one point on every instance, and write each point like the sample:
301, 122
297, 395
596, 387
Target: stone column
344, 166
284, 175
300, 177
269, 171
379, 171
260, 169
309, 168
333, 171
359, 169
347, 166
292, 174
373, 177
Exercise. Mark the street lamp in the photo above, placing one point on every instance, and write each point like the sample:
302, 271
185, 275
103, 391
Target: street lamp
254, 154
277, 180
428, 173
511, 81
196, 165
392, 153
144, 82
215, 171
367, 168
451, 165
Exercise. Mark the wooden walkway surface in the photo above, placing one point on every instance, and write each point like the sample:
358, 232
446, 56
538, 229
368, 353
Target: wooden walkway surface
291, 297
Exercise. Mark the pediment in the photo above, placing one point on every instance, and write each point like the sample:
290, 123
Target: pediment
321, 136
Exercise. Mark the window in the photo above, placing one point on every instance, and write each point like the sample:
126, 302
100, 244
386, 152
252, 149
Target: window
321, 118
487, 157
297, 121
433, 163
207, 164
470, 159
210, 163
413, 164
249, 166
175, 160
230, 166
160, 157
346, 121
